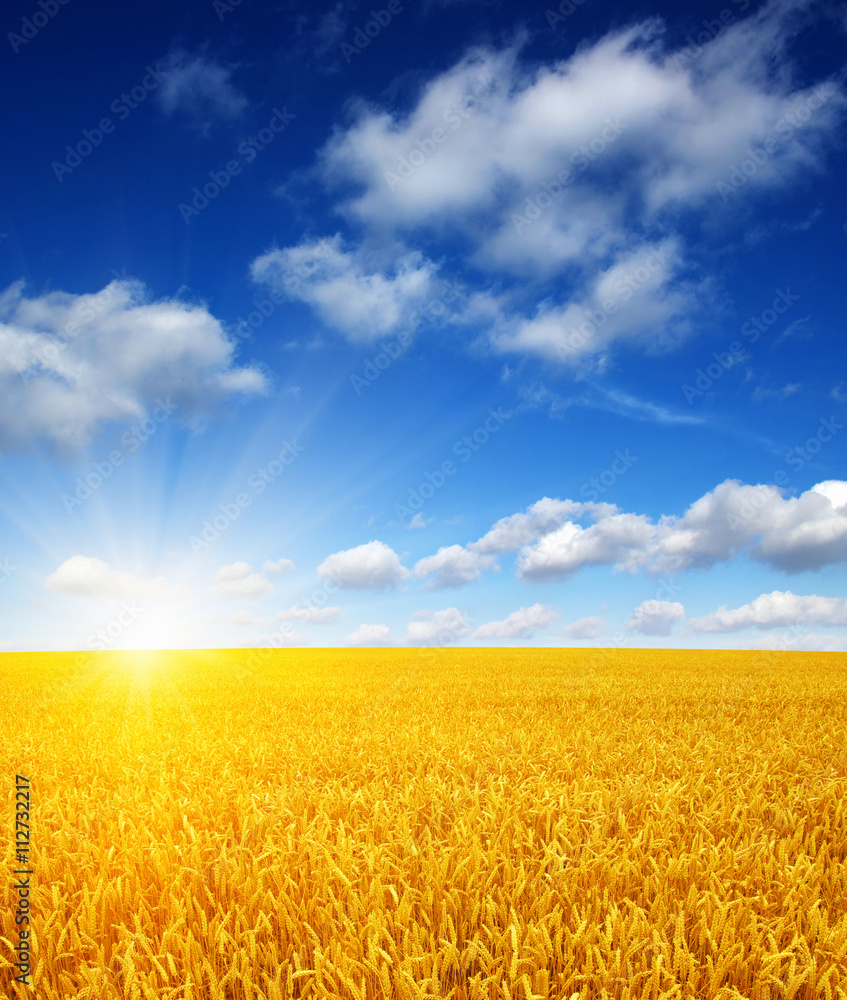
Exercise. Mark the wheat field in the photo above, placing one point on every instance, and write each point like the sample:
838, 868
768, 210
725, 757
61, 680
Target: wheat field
430, 823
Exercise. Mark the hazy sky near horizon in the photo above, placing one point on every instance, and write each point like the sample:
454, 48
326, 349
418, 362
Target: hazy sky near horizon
456, 322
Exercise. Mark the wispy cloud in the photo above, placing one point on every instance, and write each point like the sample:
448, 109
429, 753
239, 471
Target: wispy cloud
200, 89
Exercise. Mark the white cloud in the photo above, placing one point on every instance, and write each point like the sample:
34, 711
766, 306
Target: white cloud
641, 409
522, 623
71, 363
634, 298
616, 539
85, 576
834, 490
279, 566
775, 610
199, 88
371, 566
313, 616
454, 566
564, 169
418, 521
439, 627
655, 617
457, 175
246, 618
234, 571
678, 124
247, 587
510, 533
349, 290
370, 635
791, 534
585, 628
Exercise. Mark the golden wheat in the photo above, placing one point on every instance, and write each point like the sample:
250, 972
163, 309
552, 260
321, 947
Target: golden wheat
470, 824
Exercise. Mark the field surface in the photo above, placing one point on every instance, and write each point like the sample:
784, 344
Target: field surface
449, 823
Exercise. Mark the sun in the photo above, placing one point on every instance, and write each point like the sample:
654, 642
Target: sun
142, 662
156, 628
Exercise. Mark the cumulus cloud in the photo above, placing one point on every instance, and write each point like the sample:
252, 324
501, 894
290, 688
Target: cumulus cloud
200, 88
635, 298
457, 175
348, 289
564, 170
370, 635
677, 123
775, 610
374, 565
622, 540
585, 628
791, 534
85, 576
278, 566
436, 627
71, 363
520, 624
453, 566
510, 533
312, 616
655, 617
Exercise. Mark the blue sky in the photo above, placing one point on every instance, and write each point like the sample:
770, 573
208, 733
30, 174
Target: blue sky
454, 322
